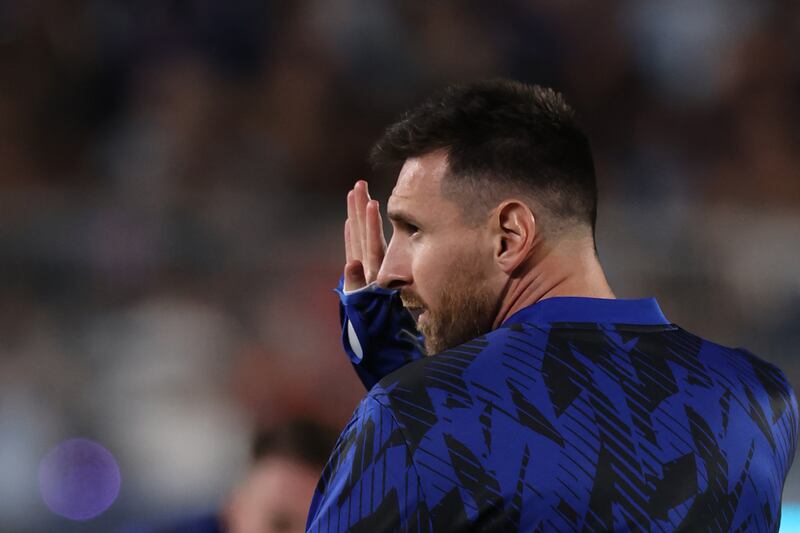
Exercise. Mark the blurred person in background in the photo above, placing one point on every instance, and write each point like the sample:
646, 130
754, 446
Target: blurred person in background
509, 388
274, 495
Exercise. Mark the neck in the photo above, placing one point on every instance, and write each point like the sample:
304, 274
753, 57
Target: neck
570, 268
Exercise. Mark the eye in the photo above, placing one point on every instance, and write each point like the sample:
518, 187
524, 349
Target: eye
407, 228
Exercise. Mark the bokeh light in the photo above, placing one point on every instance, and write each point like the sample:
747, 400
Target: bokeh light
79, 479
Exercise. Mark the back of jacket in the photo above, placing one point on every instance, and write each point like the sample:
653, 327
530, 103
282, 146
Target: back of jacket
567, 426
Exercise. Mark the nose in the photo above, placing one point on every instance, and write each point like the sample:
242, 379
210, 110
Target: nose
395, 271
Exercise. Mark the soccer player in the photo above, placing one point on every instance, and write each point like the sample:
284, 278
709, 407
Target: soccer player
544, 403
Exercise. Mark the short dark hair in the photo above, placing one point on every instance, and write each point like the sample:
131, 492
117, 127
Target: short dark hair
302, 439
501, 132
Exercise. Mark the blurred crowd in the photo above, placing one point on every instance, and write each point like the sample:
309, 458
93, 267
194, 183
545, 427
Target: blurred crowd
172, 186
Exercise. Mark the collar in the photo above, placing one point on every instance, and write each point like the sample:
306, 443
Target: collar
575, 309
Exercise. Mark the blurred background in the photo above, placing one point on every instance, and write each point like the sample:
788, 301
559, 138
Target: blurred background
172, 193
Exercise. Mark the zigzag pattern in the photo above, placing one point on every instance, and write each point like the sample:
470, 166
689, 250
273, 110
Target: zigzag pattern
571, 427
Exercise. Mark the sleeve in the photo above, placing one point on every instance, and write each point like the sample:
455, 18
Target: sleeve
378, 333
791, 431
370, 483
780, 407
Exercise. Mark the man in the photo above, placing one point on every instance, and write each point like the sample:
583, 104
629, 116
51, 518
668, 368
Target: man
545, 404
273, 497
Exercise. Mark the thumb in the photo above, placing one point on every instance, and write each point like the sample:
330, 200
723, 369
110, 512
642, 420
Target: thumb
354, 277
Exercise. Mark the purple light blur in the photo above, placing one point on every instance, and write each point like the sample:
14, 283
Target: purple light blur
79, 479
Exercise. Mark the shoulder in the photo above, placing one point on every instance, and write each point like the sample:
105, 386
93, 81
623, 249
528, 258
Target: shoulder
450, 391
772, 383
769, 375
759, 384
474, 355
750, 369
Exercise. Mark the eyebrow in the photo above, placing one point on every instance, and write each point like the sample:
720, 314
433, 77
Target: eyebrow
402, 217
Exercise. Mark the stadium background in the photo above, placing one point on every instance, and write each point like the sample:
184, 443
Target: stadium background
172, 185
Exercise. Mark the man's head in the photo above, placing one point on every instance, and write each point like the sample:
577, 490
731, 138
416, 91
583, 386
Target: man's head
275, 495
490, 171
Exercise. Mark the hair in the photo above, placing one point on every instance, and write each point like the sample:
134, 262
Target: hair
501, 137
302, 440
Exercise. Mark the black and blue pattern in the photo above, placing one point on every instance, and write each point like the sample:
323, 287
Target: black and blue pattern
557, 423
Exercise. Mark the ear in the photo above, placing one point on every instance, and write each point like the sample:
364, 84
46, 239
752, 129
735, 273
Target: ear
514, 229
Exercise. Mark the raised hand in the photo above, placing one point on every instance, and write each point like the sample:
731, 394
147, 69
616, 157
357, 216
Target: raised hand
364, 242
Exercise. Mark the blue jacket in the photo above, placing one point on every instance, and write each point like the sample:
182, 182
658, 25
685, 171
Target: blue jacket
577, 414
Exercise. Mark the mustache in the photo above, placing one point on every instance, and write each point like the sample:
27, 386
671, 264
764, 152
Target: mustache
411, 300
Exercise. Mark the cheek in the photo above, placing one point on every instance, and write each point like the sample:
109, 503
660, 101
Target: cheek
433, 265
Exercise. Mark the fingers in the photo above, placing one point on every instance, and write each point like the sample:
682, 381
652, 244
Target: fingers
361, 197
348, 251
353, 226
365, 244
375, 241
354, 276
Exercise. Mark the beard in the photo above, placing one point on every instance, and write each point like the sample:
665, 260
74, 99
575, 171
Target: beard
466, 310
